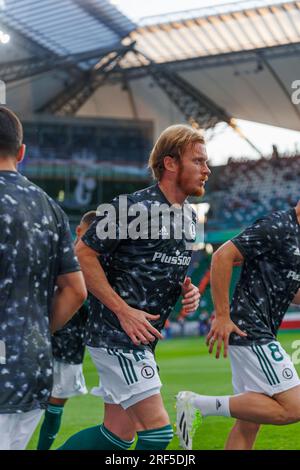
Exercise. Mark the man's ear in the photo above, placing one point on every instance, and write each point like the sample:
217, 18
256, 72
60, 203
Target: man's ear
21, 153
170, 163
78, 231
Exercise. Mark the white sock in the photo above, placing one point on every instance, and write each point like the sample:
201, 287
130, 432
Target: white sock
212, 406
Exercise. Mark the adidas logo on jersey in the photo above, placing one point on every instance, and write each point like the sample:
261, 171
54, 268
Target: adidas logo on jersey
293, 275
297, 252
164, 232
178, 259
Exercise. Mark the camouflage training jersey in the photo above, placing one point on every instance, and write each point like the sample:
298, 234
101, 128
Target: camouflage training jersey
35, 247
68, 344
147, 272
270, 276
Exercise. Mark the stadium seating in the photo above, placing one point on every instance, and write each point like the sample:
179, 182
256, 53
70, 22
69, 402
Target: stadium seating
246, 190
112, 142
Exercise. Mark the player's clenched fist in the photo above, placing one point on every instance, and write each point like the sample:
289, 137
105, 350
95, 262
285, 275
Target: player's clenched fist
191, 296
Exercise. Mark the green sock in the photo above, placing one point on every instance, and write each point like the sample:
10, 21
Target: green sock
95, 438
50, 426
154, 439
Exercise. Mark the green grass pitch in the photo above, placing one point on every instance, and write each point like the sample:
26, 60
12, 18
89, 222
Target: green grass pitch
184, 365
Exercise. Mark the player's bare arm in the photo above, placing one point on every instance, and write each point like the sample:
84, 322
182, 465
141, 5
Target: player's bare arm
69, 296
296, 299
223, 261
135, 323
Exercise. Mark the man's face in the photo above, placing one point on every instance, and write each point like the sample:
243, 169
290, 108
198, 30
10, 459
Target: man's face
193, 171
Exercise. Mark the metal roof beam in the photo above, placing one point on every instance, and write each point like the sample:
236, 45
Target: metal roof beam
20, 69
75, 95
219, 60
198, 109
193, 104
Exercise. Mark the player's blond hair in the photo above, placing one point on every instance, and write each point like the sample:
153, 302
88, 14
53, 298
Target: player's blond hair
172, 141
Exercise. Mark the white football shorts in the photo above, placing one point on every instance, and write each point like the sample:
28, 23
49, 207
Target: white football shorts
126, 377
263, 368
68, 380
16, 429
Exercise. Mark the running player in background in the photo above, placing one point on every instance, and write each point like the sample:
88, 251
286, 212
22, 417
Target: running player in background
36, 253
265, 381
68, 346
133, 293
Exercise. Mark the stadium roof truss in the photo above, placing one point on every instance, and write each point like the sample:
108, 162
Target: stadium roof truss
263, 35
69, 101
243, 26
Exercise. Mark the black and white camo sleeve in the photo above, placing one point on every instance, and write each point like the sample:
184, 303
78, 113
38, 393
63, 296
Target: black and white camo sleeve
68, 261
258, 239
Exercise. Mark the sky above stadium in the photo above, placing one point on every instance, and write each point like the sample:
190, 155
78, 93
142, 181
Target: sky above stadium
137, 9
226, 143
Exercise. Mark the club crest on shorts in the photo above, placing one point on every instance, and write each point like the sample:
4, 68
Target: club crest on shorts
287, 373
147, 372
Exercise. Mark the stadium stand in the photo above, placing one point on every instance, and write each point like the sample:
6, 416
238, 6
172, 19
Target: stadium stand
114, 141
246, 190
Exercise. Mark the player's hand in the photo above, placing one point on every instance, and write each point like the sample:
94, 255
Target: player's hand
219, 333
136, 324
191, 296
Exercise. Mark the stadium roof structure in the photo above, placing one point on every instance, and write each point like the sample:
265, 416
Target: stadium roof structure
215, 64
216, 30
67, 27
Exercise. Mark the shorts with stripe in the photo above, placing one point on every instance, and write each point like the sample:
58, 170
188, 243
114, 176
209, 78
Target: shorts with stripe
263, 368
126, 377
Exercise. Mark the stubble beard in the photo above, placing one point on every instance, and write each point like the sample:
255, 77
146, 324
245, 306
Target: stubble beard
184, 186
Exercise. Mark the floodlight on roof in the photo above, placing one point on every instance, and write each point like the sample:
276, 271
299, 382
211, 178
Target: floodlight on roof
4, 38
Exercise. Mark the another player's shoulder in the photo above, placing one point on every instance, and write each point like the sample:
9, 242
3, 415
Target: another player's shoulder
17, 185
40, 197
276, 220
